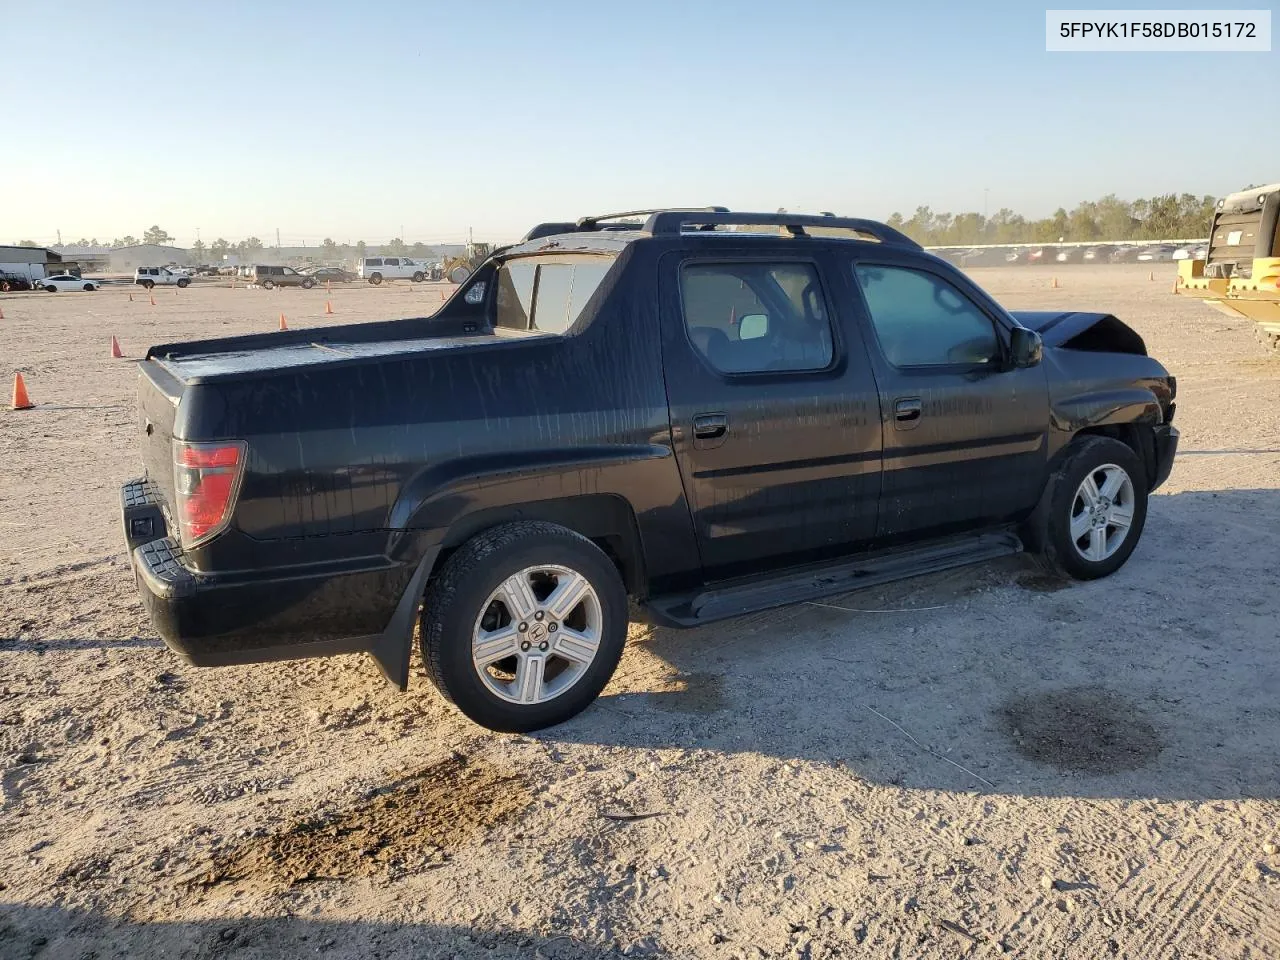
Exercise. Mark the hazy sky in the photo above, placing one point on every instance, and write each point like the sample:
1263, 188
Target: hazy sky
355, 120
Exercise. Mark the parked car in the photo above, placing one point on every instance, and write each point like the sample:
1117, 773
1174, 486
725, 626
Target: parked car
149, 277
1098, 254
680, 414
12, 283
1069, 255
1155, 254
66, 281
331, 274
1016, 255
270, 277
377, 269
1037, 255
1125, 253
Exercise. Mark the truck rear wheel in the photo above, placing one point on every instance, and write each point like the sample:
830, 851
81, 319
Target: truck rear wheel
184, 282
1093, 509
524, 626
148, 284
418, 277
375, 278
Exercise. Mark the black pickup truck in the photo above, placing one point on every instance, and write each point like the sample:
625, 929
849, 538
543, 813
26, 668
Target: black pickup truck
708, 412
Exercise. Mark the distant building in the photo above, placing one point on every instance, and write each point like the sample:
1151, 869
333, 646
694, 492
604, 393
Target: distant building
31, 262
128, 259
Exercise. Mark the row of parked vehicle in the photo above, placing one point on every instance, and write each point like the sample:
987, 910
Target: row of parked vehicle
372, 269
1099, 253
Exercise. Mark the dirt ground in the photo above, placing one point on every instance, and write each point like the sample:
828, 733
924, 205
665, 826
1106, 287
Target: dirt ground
977, 764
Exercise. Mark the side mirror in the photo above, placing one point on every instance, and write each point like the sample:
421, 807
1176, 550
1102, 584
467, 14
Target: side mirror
1026, 347
752, 326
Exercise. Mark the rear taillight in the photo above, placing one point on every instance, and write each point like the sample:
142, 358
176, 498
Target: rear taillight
206, 480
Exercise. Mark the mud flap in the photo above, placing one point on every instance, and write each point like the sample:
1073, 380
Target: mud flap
392, 648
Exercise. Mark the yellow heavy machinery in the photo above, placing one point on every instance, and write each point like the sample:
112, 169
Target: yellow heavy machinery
457, 269
1241, 272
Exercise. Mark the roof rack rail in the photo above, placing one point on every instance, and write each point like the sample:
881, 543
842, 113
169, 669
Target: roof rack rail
668, 222
589, 223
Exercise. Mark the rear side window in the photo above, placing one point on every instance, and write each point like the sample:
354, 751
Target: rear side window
547, 294
921, 320
757, 317
373, 263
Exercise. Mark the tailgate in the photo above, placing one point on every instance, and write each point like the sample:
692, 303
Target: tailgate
158, 396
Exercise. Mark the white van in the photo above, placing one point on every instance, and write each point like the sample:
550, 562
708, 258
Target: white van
377, 269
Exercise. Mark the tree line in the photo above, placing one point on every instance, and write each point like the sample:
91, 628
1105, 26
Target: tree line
249, 247
1167, 217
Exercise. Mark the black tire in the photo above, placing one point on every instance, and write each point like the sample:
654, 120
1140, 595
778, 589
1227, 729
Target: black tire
308, 283
90, 287
184, 282
1049, 529
5, 286
148, 284
375, 278
418, 277
453, 603
51, 289
268, 284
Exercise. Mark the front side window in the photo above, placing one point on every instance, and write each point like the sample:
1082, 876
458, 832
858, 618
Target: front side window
391, 262
921, 320
547, 293
757, 317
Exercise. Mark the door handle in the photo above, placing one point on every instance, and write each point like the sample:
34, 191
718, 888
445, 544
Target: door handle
907, 412
710, 426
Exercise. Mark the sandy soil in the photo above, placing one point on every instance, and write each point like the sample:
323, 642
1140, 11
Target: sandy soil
977, 764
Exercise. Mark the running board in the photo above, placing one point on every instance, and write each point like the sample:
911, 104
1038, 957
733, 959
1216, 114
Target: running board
797, 584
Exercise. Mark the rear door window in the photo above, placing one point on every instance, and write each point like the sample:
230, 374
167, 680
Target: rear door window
373, 263
547, 294
755, 317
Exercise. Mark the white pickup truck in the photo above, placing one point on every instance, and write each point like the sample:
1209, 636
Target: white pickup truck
160, 277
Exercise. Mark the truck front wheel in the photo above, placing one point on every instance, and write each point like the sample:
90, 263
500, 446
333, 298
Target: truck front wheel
1093, 509
524, 626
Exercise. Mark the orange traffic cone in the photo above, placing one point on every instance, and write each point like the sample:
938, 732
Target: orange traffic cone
131, 298
1, 314
1151, 275
443, 298
1054, 284
328, 307
283, 325
20, 399
153, 299
328, 286
115, 348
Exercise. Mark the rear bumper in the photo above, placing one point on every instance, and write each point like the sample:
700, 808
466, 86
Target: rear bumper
1166, 437
365, 604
